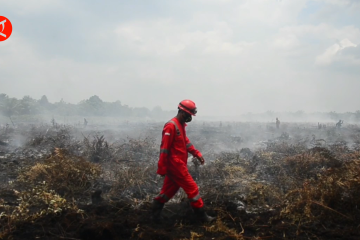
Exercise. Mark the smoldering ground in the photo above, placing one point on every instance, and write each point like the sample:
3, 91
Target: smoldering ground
260, 182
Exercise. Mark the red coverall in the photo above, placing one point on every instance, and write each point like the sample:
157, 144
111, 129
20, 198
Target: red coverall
174, 149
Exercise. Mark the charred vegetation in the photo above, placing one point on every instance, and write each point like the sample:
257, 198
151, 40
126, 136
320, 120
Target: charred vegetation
63, 182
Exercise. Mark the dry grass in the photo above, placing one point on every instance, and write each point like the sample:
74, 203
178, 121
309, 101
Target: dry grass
67, 174
332, 197
304, 187
33, 204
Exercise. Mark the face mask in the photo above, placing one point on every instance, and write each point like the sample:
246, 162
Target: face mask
188, 118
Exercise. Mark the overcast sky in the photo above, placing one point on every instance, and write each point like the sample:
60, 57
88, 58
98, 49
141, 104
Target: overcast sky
229, 56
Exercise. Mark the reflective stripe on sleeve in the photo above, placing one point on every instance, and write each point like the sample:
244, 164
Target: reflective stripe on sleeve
194, 199
163, 150
188, 145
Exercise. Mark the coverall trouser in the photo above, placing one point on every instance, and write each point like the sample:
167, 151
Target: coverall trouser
173, 182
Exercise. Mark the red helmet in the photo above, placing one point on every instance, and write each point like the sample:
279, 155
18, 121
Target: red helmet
188, 106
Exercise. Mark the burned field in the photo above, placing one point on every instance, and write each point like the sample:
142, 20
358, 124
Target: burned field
63, 182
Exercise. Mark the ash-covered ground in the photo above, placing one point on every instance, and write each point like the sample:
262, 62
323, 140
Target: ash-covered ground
97, 182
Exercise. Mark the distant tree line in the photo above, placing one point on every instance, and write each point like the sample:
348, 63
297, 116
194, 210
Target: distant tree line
93, 106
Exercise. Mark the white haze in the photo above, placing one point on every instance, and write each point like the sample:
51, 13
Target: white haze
230, 56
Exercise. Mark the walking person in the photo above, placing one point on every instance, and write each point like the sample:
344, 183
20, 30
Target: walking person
277, 123
172, 164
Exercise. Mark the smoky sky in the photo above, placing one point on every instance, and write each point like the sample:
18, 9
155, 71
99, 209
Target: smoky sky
229, 56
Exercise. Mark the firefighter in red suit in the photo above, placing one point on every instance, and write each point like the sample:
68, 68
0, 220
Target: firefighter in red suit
172, 164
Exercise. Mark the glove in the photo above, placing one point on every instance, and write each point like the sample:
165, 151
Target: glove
201, 159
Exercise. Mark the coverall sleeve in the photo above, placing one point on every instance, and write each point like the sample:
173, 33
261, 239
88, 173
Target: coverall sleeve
168, 135
191, 149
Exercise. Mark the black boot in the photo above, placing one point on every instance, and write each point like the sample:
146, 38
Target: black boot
156, 210
202, 216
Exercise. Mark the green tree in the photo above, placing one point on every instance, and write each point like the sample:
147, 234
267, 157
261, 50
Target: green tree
9, 107
28, 106
93, 106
